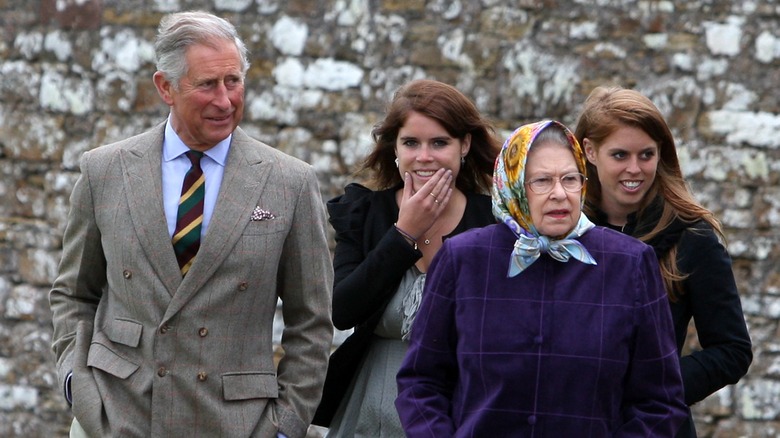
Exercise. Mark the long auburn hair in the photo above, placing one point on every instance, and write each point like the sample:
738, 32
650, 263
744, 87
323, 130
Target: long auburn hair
606, 110
456, 114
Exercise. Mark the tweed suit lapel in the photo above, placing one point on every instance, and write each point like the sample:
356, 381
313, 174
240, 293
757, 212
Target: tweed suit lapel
246, 172
143, 179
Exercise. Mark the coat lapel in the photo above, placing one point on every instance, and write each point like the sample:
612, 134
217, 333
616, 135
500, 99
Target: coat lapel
143, 180
246, 172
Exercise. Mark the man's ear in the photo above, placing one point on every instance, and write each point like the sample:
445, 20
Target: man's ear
164, 87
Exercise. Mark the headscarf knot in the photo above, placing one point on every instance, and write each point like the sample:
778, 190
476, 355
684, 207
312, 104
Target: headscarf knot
529, 248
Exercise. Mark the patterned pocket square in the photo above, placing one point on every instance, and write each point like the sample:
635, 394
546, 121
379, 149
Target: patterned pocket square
261, 215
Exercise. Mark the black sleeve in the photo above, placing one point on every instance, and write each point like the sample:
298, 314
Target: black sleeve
370, 257
717, 313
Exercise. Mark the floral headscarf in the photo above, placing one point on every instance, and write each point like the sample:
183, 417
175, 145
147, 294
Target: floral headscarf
510, 202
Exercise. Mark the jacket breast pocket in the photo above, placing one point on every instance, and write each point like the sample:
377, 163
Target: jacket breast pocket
268, 226
245, 386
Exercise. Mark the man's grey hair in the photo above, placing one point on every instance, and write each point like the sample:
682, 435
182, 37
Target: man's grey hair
178, 31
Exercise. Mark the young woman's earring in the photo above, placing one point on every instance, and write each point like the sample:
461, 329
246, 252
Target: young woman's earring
396, 162
462, 161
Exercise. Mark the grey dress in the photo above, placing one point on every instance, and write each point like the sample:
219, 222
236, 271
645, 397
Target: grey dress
368, 409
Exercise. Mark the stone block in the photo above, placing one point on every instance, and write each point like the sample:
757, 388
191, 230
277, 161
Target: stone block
73, 14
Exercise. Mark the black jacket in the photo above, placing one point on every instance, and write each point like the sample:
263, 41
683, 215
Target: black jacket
709, 297
371, 257
370, 260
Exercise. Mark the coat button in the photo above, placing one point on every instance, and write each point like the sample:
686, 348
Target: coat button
127, 274
203, 332
202, 376
242, 286
164, 329
162, 372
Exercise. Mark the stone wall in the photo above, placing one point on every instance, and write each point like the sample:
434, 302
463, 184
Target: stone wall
75, 74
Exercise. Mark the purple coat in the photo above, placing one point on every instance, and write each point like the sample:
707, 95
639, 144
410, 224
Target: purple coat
561, 350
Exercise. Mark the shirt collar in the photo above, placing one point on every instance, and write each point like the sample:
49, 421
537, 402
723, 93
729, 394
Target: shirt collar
173, 147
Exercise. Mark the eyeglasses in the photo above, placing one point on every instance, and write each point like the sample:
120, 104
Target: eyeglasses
571, 182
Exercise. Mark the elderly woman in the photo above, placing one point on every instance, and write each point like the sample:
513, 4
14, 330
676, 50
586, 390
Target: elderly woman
543, 324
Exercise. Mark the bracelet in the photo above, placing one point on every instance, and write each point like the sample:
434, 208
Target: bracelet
407, 236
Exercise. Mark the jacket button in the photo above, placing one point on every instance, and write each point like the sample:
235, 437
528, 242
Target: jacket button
202, 376
164, 329
242, 286
127, 274
203, 332
162, 372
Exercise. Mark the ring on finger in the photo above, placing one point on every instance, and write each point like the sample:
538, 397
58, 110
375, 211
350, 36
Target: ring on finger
435, 200
434, 196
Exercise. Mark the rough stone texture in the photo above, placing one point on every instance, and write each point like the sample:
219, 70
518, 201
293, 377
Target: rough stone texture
75, 74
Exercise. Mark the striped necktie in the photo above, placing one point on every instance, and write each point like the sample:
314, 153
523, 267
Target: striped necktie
186, 237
